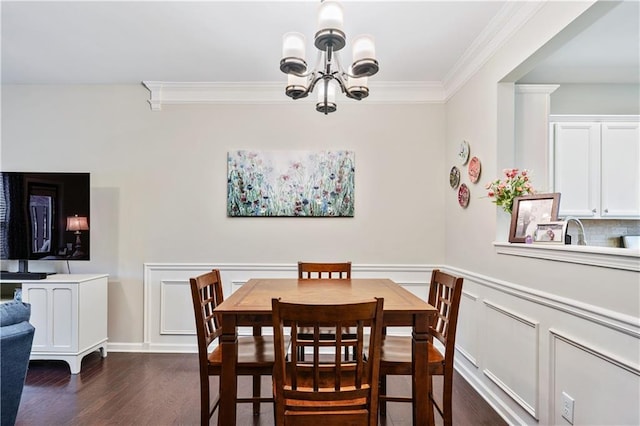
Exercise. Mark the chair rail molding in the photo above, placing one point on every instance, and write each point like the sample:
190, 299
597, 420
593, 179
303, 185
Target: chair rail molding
535, 316
622, 323
168, 313
486, 300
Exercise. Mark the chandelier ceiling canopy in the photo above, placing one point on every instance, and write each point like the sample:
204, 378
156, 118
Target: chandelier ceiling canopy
328, 71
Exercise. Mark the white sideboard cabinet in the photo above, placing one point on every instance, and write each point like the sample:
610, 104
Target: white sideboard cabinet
596, 166
69, 313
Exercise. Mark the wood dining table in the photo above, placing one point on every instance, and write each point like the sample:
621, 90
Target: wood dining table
251, 306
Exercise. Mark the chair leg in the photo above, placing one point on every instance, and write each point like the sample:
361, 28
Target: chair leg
204, 401
383, 392
432, 401
447, 412
256, 394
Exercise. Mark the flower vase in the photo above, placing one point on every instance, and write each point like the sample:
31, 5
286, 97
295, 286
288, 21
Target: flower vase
503, 225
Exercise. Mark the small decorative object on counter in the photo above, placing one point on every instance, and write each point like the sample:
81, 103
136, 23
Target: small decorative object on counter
550, 232
505, 191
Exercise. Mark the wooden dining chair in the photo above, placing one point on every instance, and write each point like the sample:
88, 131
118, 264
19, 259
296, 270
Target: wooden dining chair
255, 353
316, 270
327, 390
395, 356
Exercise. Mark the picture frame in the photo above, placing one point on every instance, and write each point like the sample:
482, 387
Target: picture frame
528, 211
290, 183
550, 233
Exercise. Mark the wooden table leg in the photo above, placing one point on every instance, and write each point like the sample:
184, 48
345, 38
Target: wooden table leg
422, 409
228, 381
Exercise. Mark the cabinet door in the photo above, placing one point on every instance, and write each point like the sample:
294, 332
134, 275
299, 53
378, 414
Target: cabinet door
620, 159
54, 316
576, 168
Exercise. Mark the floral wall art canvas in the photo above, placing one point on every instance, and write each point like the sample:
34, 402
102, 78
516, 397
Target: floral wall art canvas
290, 183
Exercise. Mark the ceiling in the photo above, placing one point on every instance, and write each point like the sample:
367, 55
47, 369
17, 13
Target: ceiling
126, 42
607, 51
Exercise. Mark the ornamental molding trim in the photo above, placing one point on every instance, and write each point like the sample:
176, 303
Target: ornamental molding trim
606, 257
540, 89
256, 93
507, 22
512, 17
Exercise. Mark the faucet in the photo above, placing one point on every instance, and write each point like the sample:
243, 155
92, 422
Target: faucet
581, 240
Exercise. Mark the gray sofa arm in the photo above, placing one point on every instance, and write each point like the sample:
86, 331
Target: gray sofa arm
16, 338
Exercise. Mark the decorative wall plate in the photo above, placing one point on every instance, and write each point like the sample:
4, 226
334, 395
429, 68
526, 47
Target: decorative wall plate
463, 196
454, 177
474, 169
463, 152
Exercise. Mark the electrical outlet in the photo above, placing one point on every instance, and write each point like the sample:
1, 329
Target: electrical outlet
567, 407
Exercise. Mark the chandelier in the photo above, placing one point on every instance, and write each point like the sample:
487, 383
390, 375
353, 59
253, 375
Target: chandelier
328, 71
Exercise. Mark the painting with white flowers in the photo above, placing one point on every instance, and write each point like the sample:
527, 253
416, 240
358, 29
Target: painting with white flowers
290, 183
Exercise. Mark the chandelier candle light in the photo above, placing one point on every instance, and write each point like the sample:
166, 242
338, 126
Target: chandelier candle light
328, 72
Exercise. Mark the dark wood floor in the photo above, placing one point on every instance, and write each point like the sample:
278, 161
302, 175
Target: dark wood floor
162, 389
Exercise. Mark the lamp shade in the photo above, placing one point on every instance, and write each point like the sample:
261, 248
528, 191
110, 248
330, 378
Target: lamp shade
293, 45
331, 91
77, 223
357, 87
330, 15
364, 56
296, 86
363, 48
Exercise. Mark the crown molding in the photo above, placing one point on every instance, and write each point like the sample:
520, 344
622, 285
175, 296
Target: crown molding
544, 89
180, 93
509, 19
512, 17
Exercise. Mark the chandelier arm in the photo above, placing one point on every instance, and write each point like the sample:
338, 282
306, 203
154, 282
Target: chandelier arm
305, 74
341, 81
339, 66
348, 93
312, 82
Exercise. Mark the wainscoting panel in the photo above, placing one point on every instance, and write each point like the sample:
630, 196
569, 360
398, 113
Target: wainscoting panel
467, 331
175, 300
522, 365
168, 310
508, 346
511, 355
600, 384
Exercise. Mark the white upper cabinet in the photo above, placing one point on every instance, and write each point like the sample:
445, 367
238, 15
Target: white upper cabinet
596, 168
620, 162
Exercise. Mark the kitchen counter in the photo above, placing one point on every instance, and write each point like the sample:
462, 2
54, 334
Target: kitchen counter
606, 257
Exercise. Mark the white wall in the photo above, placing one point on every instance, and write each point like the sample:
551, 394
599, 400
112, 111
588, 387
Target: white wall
530, 328
596, 99
159, 181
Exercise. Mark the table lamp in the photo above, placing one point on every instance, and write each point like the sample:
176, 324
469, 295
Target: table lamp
76, 224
